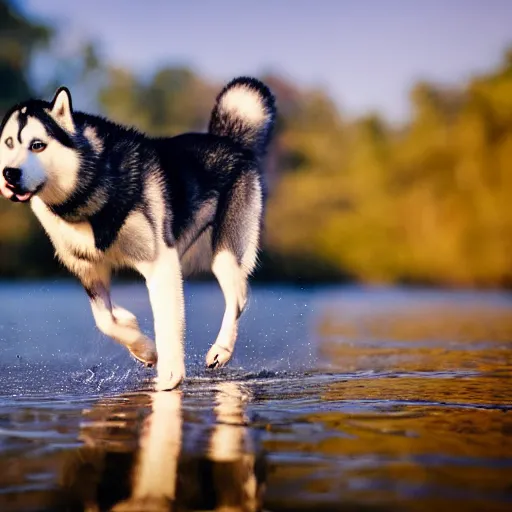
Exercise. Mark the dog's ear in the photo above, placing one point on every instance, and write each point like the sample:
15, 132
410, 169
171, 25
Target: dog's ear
62, 109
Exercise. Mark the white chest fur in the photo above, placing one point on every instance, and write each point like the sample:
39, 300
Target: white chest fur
74, 242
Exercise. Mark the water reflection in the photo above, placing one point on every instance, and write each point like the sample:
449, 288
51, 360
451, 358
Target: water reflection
135, 456
155, 471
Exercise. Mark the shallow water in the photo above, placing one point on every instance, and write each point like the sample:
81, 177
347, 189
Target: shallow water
336, 399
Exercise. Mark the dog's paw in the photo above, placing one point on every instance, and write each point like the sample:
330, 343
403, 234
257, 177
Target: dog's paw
169, 377
218, 356
144, 350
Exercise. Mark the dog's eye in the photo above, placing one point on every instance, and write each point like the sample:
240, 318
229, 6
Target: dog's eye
9, 143
37, 146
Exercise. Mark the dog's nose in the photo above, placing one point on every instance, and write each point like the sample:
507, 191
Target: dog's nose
12, 175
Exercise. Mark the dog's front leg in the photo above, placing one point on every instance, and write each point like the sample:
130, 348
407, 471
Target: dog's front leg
165, 286
116, 322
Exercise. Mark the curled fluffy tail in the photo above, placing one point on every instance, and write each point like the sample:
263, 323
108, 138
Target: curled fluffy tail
245, 111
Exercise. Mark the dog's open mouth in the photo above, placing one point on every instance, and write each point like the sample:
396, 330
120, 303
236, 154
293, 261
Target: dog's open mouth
19, 196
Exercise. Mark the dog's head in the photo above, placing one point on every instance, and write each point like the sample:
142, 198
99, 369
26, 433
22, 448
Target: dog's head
37, 154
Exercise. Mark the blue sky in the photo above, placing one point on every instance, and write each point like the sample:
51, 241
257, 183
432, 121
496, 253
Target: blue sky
365, 53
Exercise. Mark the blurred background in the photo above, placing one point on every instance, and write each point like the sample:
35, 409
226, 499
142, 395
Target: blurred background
393, 153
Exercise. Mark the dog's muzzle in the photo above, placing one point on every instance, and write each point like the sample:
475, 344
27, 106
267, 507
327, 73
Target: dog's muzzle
12, 176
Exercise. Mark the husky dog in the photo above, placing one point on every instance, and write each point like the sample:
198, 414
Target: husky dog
109, 196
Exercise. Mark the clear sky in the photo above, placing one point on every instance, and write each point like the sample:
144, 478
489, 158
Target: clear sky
365, 53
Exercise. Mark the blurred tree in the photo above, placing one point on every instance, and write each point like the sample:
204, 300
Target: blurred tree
174, 100
423, 203
18, 39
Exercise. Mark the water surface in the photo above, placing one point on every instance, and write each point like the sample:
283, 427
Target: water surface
336, 399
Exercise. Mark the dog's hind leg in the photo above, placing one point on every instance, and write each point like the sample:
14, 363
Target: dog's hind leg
114, 321
235, 248
233, 283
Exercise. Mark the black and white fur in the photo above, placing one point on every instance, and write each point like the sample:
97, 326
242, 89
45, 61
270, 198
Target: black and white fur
108, 196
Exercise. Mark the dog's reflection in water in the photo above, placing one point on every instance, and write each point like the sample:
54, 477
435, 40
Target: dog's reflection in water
155, 473
159, 475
